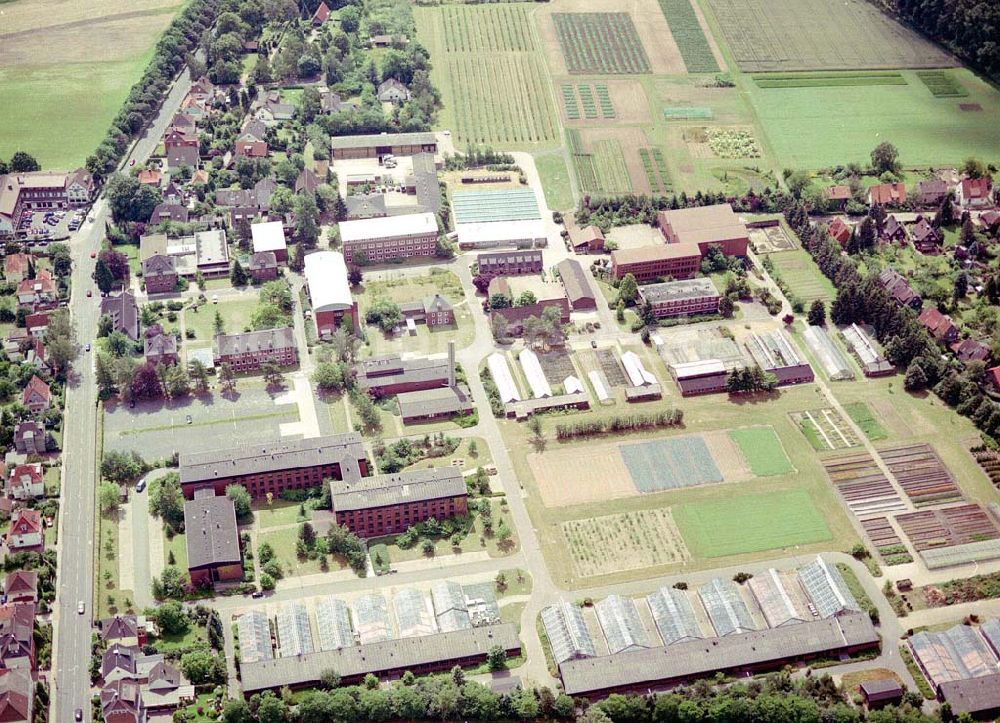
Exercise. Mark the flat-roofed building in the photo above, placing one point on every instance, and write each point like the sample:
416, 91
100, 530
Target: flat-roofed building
706, 226
375, 240
775, 352
382, 144
282, 465
650, 263
707, 376
567, 632
681, 298
213, 541
391, 374
431, 405
389, 504
330, 292
270, 236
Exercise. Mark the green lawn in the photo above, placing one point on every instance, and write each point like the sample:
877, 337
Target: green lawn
178, 545
284, 542
740, 524
52, 480
195, 635
279, 513
863, 417
803, 277
554, 176
235, 315
816, 127
762, 450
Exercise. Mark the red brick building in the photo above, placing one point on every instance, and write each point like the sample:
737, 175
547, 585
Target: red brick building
249, 351
390, 374
649, 263
274, 468
681, 298
389, 504
263, 266
510, 263
330, 292
213, 540
376, 240
705, 226
159, 272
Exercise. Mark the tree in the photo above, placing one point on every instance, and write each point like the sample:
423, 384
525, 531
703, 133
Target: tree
199, 375
277, 293
885, 157
103, 276
60, 342
175, 381
915, 378
236, 710
122, 467
974, 168
219, 324
166, 501
306, 220
240, 498
172, 619
227, 377
350, 19
266, 581
204, 668
500, 301
817, 313
104, 376
354, 274
499, 327
272, 373
23, 162
961, 286
116, 262
146, 384
628, 289
384, 313
307, 534
62, 260
117, 344
527, 298
109, 497
268, 316
238, 275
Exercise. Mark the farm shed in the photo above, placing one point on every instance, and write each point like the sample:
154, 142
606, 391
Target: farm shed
578, 289
835, 365
413, 615
636, 372
725, 607
957, 653
567, 632
540, 388
292, 626
255, 637
826, 588
674, 615
500, 372
450, 608
620, 622
774, 352
708, 376
371, 619
333, 623
873, 364
781, 599
979, 697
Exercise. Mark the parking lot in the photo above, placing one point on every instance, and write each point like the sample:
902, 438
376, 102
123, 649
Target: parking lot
51, 224
156, 430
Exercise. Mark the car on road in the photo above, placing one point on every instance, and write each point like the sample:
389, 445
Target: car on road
78, 714
257, 594
187, 419
593, 344
89, 293
215, 298
80, 608
140, 485
93, 254
87, 348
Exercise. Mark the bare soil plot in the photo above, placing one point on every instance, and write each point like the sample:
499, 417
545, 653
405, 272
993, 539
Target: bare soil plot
922, 474
651, 29
624, 541
557, 365
580, 475
771, 239
611, 367
625, 144
930, 529
860, 481
781, 35
886, 542
626, 102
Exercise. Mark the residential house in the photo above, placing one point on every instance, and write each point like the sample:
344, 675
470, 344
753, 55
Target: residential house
899, 289
17, 696
161, 349
169, 212
29, 437
163, 686
837, 196
894, 232
150, 177
199, 178
36, 325
16, 268
37, 396
17, 639
118, 662
251, 149
887, 194
172, 193
386, 41
159, 274
990, 220
121, 702
126, 630
275, 110
26, 482
249, 351
263, 190
393, 91
27, 531
21, 586
124, 313
201, 90
321, 15
331, 102
969, 350
993, 375
931, 192
39, 292
588, 240
181, 156
839, 231
263, 266
183, 124
938, 325
36, 353
974, 192
253, 130
307, 181
926, 238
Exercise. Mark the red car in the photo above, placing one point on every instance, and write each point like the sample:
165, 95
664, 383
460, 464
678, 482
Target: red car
93, 254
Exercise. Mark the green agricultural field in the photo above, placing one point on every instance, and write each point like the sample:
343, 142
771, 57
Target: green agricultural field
828, 80
816, 127
741, 524
492, 76
803, 277
600, 43
609, 162
554, 174
762, 450
689, 36
862, 416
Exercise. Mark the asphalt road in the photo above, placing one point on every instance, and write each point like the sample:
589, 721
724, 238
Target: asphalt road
71, 654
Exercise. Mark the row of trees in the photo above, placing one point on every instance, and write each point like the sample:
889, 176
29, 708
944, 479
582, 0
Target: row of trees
620, 424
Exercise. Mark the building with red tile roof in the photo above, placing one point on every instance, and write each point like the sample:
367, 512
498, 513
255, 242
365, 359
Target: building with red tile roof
938, 325
887, 194
839, 231
27, 531
37, 396
974, 192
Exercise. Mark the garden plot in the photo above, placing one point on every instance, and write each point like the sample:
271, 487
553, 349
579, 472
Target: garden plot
612, 368
885, 541
860, 481
667, 464
557, 366
616, 156
931, 529
603, 43
825, 429
762, 450
771, 239
689, 36
624, 541
921, 474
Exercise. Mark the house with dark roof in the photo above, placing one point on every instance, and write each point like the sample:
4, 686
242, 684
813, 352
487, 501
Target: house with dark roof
926, 238
263, 266
930, 192
587, 240
969, 350
938, 325
250, 350
125, 630
37, 396
431, 405
880, 693
121, 702
307, 181
366, 206
179, 156
837, 196
27, 532
899, 289
163, 686
21, 586
893, 231
159, 273
578, 289
29, 437
17, 636
887, 194
393, 91
161, 349
510, 263
839, 231
119, 661
124, 313
213, 540
17, 695
262, 191
169, 212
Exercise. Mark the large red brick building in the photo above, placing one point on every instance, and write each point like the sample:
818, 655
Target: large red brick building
389, 504
376, 240
330, 292
213, 540
249, 351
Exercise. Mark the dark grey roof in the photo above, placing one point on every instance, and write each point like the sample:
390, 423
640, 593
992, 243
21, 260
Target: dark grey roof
254, 341
210, 529
160, 345
393, 489
383, 139
425, 182
235, 197
159, 265
381, 371
263, 260
356, 661
124, 312
574, 279
445, 400
517, 257
169, 212
263, 190
118, 657
972, 695
885, 687
697, 658
344, 449
366, 206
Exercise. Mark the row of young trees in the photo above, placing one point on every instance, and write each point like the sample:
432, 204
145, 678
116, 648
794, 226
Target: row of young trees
620, 423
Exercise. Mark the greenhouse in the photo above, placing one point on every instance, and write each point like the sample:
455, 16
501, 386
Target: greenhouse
333, 621
413, 614
674, 615
834, 362
958, 653
497, 364
826, 588
725, 607
620, 622
255, 637
371, 619
540, 388
481, 599
294, 634
780, 597
450, 608
567, 632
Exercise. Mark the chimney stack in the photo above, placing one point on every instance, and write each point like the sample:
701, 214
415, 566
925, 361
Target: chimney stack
451, 363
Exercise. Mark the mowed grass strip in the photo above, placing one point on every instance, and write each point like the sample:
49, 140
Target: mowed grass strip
862, 416
750, 523
942, 84
827, 80
762, 450
797, 269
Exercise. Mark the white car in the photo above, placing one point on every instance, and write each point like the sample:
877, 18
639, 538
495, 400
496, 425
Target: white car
81, 608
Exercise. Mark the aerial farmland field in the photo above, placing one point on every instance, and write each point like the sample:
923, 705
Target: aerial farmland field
600, 43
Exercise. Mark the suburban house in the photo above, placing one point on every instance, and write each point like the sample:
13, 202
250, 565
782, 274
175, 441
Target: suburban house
150, 177
433, 310
124, 313
321, 15
974, 192
249, 351
17, 642
38, 292
118, 662
899, 289
21, 586
160, 348
930, 192
121, 702
16, 268
938, 325
173, 212
159, 273
837, 196
887, 194
969, 350
37, 396
26, 482
213, 540
263, 266
307, 180
17, 694
926, 238
839, 231
125, 630
251, 149
26, 530
893, 231
29, 437
180, 156
391, 90
587, 240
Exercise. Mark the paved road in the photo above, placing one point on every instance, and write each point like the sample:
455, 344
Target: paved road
71, 654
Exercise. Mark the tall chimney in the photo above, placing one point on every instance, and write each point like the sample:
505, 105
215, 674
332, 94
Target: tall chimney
451, 363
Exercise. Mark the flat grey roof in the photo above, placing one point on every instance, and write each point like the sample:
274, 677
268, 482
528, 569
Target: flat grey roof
393, 489
382, 657
688, 659
343, 449
676, 290
383, 139
210, 530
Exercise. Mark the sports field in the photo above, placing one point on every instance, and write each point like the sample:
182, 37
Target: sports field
750, 523
762, 450
491, 74
797, 269
66, 68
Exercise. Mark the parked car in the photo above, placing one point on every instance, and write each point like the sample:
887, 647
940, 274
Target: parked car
140, 485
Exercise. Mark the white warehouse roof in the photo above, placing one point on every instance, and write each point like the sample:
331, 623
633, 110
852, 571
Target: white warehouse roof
326, 275
268, 236
499, 232
533, 372
501, 376
410, 224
